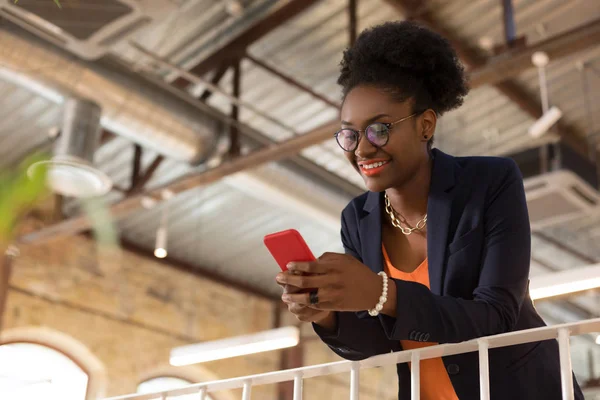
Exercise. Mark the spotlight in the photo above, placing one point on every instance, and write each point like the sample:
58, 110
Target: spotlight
160, 249
160, 253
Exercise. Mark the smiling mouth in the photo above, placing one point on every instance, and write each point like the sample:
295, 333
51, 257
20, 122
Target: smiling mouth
374, 165
373, 168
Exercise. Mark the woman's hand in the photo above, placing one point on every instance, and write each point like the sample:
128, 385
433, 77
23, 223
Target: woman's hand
303, 313
307, 314
342, 282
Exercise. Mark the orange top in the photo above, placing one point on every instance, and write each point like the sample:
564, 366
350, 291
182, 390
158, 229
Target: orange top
435, 382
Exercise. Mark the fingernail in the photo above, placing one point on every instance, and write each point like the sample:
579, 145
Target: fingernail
285, 297
290, 265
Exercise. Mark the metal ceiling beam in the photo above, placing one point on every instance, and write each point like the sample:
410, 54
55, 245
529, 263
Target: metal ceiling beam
417, 10
238, 45
514, 62
219, 74
291, 81
124, 207
144, 178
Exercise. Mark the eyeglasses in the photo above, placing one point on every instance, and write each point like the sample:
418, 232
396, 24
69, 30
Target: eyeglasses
377, 134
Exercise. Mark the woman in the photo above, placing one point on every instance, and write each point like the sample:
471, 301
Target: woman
438, 249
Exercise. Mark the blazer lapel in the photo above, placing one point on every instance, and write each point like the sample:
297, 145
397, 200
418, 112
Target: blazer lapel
439, 208
370, 232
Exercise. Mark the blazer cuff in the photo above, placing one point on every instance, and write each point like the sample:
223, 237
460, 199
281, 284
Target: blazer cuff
327, 334
405, 325
346, 332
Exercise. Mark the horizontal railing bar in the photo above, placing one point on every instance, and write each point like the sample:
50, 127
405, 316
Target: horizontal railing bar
501, 340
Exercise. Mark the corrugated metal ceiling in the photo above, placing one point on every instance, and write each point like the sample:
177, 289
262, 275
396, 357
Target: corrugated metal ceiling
308, 48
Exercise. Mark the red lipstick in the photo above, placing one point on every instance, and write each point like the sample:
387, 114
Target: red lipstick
372, 167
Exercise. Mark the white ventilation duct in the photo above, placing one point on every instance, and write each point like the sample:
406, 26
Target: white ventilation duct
71, 171
142, 113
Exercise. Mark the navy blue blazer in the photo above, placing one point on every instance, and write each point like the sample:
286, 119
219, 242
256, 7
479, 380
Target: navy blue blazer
478, 249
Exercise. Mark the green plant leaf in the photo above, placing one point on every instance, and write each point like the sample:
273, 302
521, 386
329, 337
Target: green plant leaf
19, 192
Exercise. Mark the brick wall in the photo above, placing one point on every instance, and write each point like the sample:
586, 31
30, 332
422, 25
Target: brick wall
130, 311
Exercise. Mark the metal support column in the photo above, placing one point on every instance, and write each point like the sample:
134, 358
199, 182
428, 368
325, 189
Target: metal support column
508, 16
234, 149
353, 20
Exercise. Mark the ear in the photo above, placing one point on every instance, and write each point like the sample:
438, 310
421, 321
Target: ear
427, 123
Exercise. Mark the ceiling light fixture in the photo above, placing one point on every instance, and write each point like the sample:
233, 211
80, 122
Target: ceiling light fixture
71, 171
160, 247
236, 346
565, 282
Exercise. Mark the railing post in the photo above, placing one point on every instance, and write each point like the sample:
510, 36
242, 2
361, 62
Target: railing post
566, 370
202, 393
484, 369
298, 386
354, 381
415, 375
247, 392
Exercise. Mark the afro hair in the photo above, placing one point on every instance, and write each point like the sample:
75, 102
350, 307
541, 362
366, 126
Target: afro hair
409, 62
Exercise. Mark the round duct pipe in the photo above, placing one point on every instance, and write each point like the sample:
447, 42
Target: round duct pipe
145, 114
71, 171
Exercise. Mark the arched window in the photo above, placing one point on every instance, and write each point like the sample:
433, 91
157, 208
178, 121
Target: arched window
165, 377
39, 363
32, 371
165, 383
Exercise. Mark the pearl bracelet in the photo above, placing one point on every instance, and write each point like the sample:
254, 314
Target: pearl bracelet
383, 298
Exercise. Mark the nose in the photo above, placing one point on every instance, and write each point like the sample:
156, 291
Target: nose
364, 149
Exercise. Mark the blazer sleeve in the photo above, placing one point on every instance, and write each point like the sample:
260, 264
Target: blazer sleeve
354, 338
502, 284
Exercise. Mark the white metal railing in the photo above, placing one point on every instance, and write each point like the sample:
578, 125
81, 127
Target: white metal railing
482, 345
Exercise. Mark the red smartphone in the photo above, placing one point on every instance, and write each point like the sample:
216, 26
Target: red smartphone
287, 246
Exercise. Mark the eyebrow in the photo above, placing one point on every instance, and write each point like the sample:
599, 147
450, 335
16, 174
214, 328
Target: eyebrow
372, 119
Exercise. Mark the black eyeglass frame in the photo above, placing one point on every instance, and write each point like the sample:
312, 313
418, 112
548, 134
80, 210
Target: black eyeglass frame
388, 126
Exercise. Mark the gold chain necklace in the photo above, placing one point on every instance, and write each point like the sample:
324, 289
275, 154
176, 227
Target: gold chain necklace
397, 223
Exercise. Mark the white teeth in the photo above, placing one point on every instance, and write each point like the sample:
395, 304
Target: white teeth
374, 165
